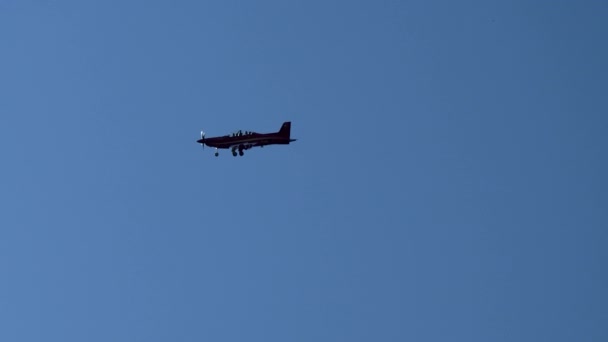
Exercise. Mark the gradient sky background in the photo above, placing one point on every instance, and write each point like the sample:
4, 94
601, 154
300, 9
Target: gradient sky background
448, 182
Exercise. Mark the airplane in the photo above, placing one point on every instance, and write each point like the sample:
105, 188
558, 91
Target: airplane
241, 141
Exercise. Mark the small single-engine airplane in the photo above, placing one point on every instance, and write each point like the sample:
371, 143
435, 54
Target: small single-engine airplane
241, 141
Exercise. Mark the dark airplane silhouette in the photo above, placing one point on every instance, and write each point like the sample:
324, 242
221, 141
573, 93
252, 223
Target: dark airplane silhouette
240, 141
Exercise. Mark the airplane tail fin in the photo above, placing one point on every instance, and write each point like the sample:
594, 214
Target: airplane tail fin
285, 130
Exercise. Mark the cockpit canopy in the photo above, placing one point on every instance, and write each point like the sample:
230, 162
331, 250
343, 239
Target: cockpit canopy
240, 133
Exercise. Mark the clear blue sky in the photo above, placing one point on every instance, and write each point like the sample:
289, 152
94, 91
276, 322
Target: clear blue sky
448, 182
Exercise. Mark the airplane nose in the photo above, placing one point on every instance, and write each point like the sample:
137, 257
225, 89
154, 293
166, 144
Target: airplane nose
202, 142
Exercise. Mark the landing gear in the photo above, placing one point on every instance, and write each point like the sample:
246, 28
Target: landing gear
216, 153
240, 151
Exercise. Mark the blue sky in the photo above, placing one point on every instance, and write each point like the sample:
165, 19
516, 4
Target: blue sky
448, 182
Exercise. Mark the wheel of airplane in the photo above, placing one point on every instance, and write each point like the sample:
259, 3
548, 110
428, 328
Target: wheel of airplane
234, 153
241, 153
216, 154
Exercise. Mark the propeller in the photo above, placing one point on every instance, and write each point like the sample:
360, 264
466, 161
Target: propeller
203, 139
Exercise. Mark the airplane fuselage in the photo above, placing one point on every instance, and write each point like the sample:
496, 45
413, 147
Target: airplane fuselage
241, 141
245, 141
